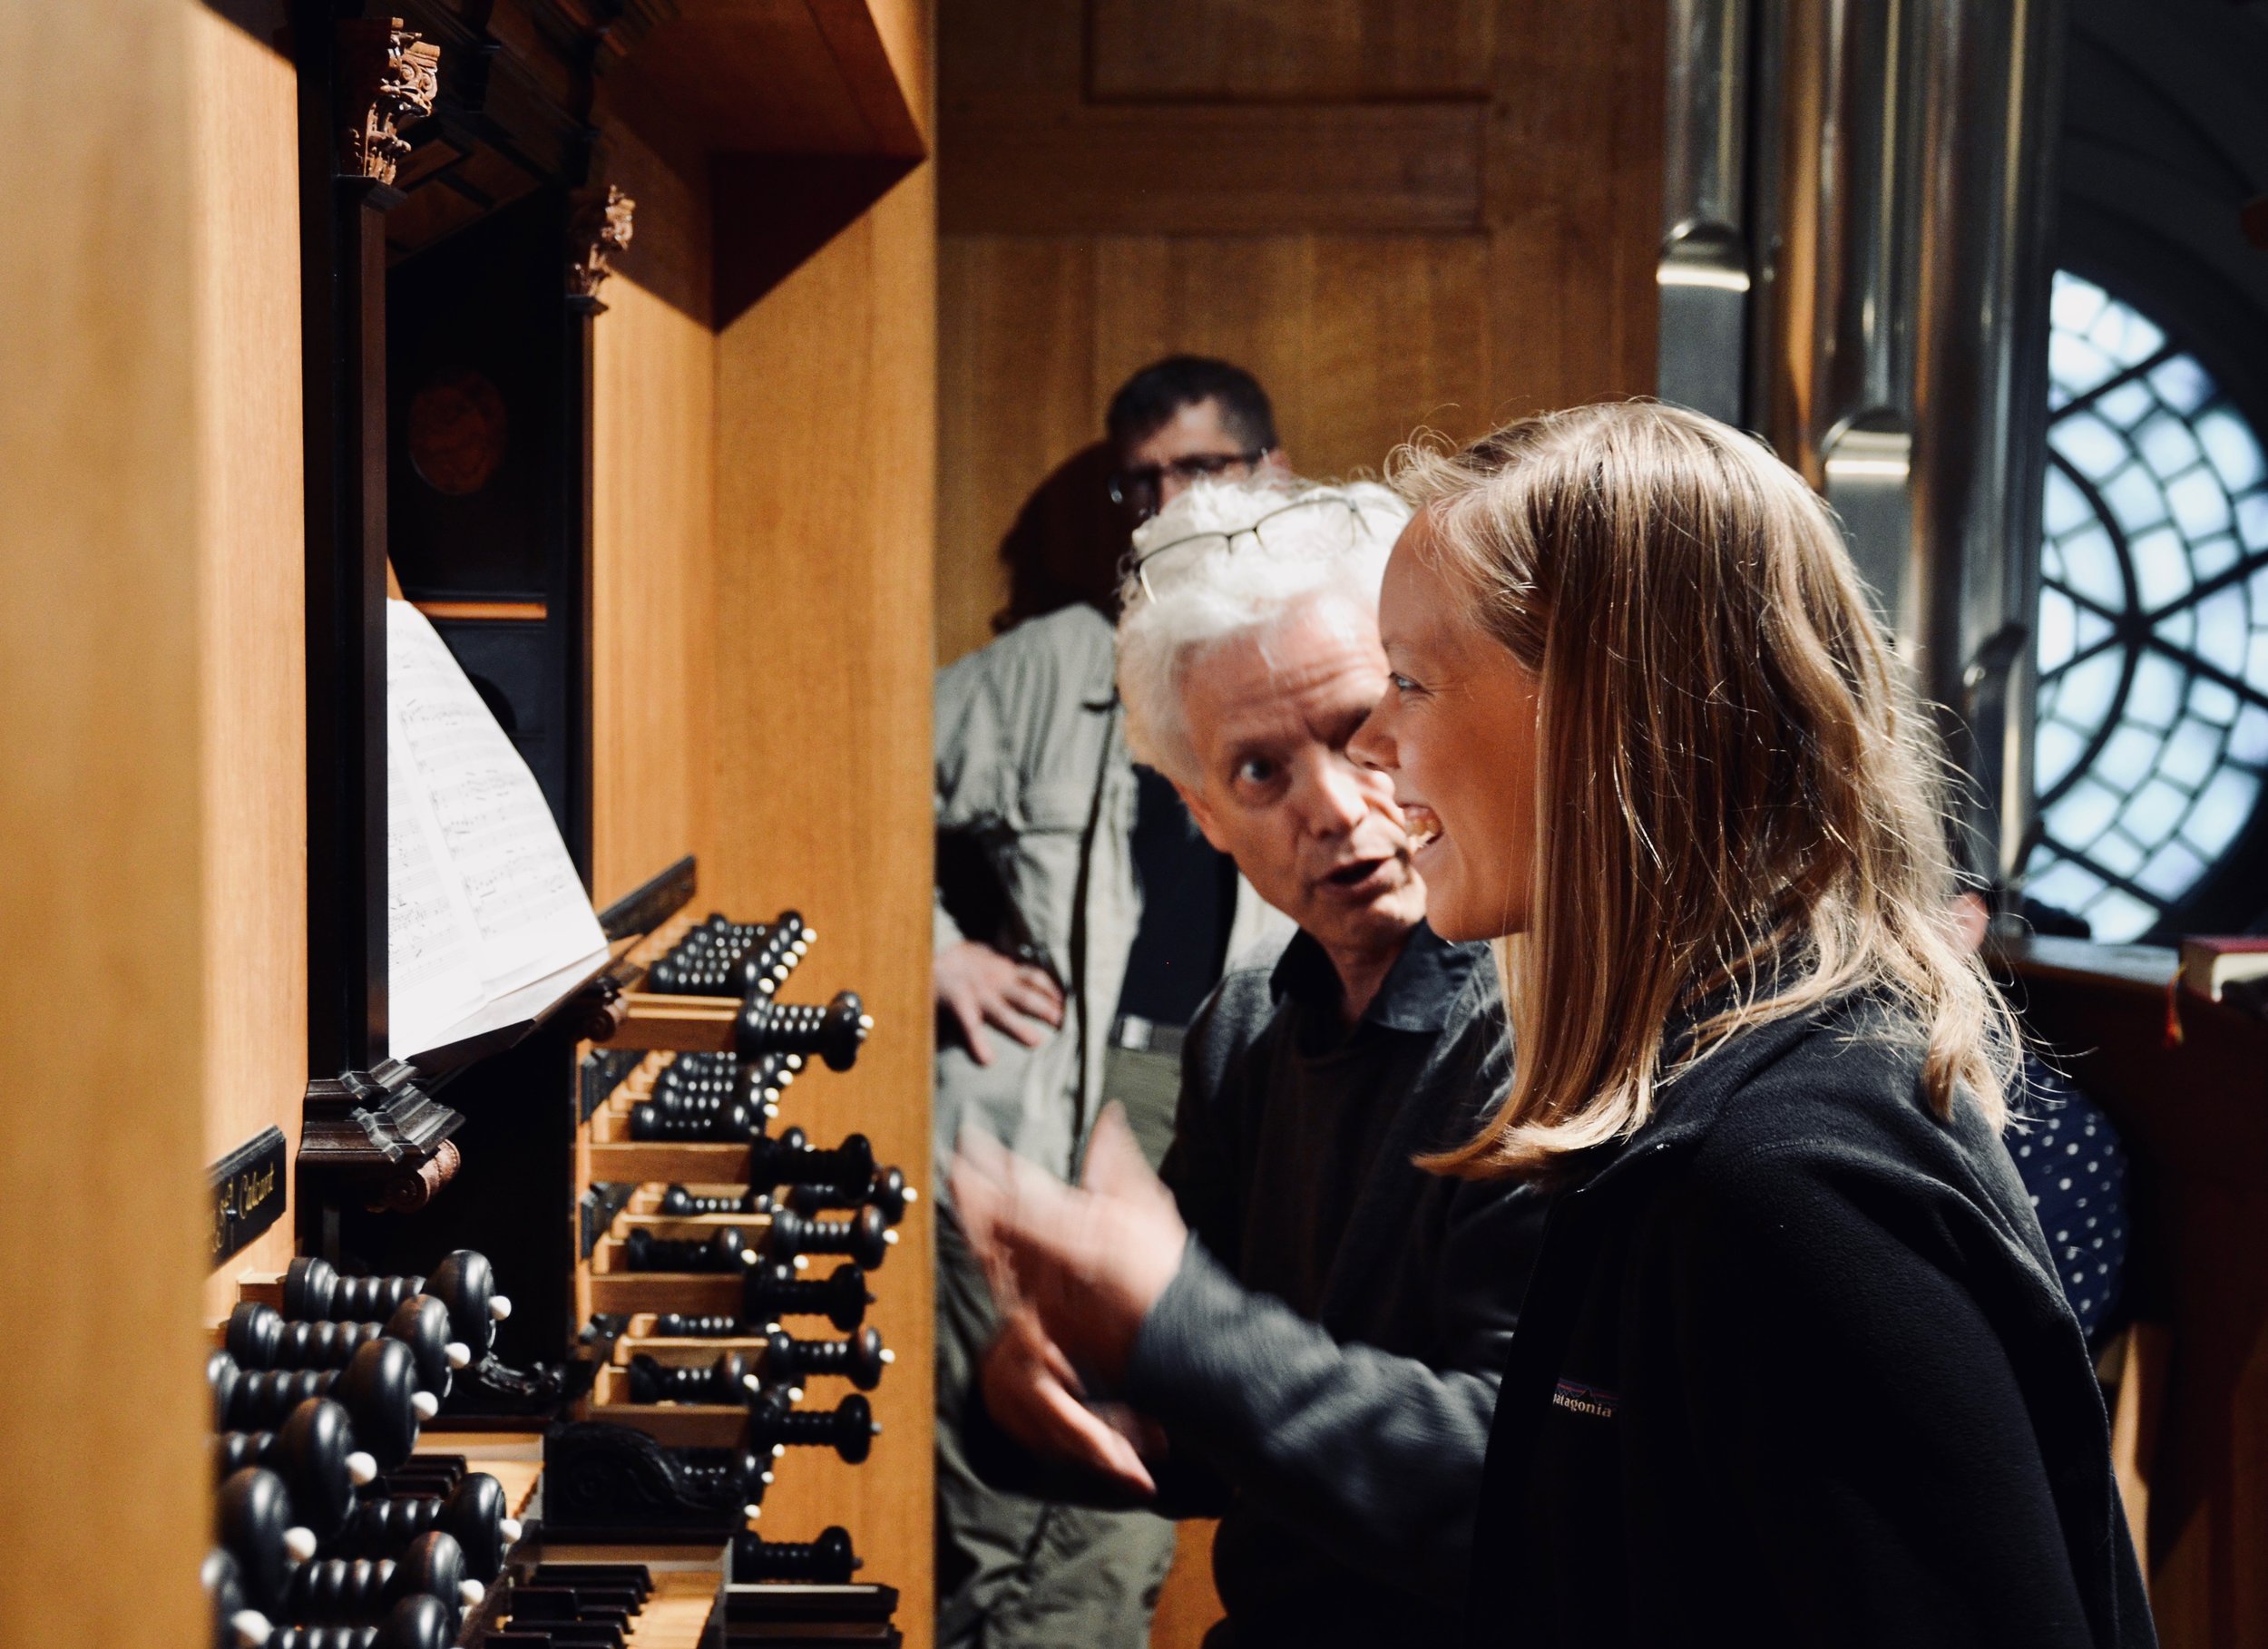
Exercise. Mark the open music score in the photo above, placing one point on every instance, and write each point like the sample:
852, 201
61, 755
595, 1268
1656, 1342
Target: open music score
483, 896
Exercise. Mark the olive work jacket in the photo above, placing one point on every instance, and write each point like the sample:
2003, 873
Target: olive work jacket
1035, 797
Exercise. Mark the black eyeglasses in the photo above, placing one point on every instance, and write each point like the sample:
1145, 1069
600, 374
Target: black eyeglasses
1258, 530
1139, 488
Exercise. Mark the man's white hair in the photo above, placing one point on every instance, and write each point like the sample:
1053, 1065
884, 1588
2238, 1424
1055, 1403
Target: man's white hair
1231, 556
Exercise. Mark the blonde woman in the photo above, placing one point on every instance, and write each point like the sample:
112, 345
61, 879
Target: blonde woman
1793, 1367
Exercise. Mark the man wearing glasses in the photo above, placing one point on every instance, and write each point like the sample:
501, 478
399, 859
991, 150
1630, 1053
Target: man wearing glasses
1080, 920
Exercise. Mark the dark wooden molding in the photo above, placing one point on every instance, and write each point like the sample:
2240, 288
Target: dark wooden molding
653, 901
249, 1188
600, 228
377, 1138
607, 1483
388, 77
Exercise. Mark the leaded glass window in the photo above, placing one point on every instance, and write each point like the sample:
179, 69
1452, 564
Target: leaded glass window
2153, 707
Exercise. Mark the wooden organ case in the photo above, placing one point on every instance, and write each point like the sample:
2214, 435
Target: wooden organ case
599, 331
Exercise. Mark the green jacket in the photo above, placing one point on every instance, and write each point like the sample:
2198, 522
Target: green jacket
1034, 796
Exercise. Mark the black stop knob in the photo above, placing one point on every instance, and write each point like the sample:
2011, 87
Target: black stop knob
827, 1561
769, 1293
378, 1388
314, 1452
860, 1357
729, 1380
790, 1160
865, 1236
887, 1191
834, 1032
848, 1428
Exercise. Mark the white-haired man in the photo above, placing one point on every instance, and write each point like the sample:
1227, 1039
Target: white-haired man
1298, 1330
1080, 922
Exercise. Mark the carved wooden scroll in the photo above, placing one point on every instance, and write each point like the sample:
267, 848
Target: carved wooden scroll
388, 79
599, 228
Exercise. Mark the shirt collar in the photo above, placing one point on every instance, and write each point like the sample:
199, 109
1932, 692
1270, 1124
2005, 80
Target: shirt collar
1418, 991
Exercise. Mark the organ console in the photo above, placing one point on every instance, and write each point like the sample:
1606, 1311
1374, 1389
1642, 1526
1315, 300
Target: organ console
345, 1512
431, 1020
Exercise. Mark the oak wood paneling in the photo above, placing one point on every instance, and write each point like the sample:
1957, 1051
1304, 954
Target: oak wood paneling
251, 549
101, 668
826, 429
1574, 171
1017, 396
1013, 165
653, 579
1360, 339
1429, 261
1270, 49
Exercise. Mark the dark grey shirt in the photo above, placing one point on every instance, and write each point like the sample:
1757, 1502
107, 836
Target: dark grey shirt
1325, 1362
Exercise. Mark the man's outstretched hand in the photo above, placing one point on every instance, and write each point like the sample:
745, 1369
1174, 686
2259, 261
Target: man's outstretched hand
980, 986
1032, 1393
1087, 1261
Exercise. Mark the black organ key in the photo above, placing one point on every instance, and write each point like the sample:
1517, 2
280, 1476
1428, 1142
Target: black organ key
259, 1337
849, 1428
635, 1578
887, 1191
472, 1513
313, 1452
860, 1357
834, 1032
829, 1560
377, 1389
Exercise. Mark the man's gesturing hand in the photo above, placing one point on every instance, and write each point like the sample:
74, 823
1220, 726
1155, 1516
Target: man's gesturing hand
980, 986
1087, 1260
1032, 1393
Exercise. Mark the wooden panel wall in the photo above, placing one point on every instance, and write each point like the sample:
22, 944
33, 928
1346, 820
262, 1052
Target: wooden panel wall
1438, 214
655, 503
245, 158
101, 667
825, 424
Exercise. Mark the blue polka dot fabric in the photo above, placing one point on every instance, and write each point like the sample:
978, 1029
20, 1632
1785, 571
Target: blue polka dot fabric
2074, 1166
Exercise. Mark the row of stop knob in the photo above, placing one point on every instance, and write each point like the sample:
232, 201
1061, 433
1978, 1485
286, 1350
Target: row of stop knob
326, 1520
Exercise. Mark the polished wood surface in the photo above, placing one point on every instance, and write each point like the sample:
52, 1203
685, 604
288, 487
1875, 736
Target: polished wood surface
103, 667
244, 152
654, 407
1439, 215
1188, 1607
825, 456
2195, 1116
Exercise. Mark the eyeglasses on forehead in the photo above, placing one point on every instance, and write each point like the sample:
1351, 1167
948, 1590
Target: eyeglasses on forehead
1255, 530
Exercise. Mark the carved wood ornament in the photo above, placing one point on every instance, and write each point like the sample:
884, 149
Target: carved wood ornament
600, 228
388, 80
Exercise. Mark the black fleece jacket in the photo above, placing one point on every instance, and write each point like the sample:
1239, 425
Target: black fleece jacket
1793, 1369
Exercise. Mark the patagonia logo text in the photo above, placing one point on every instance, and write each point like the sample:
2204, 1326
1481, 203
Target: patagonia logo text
1576, 1397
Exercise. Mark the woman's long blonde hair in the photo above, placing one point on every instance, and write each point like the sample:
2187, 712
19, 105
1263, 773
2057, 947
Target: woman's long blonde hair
1739, 810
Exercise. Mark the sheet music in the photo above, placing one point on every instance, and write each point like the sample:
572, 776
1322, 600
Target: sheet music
520, 908
433, 971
